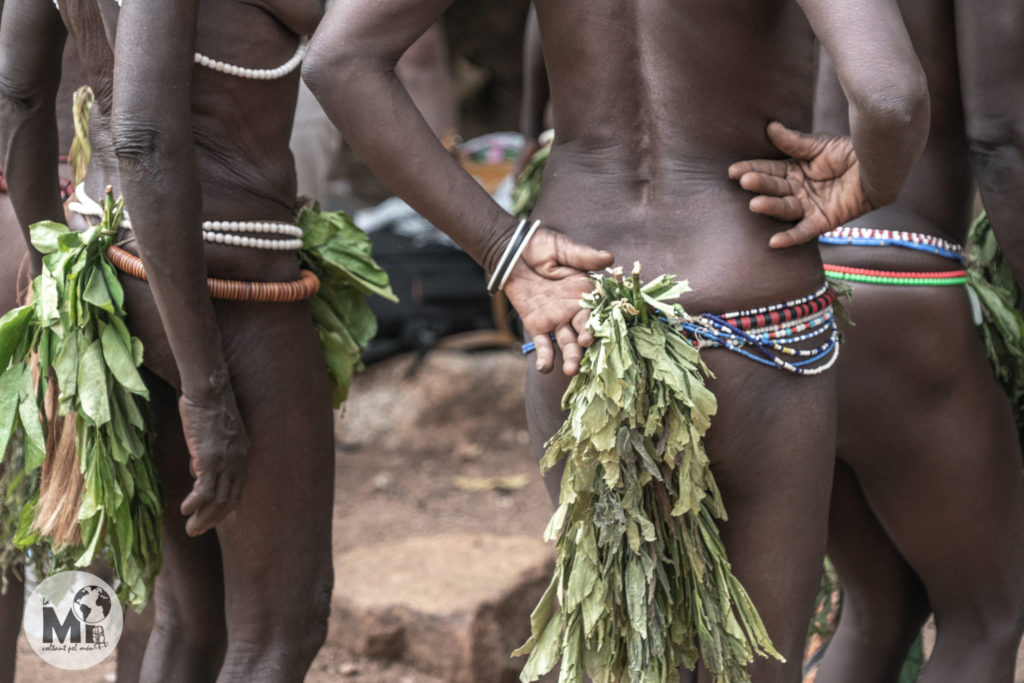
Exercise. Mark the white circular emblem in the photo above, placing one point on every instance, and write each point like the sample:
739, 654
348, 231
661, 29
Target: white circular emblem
73, 620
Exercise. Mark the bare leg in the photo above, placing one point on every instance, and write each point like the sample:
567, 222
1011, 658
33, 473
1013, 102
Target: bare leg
276, 547
884, 603
773, 462
11, 605
132, 647
939, 463
188, 634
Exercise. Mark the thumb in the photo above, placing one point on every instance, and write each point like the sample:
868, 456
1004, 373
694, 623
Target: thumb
795, 143
582, 257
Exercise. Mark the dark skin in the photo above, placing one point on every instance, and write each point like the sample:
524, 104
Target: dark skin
928, 503
240, 391
535, 91
643, 175
13, 262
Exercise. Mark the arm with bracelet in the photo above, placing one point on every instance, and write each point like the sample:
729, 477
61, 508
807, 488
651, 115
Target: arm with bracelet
350, 68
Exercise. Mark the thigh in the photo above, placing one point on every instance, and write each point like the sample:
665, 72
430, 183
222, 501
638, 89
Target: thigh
771, 447
935, 450
280, 535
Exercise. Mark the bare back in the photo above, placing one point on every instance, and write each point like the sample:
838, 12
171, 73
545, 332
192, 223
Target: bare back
652, 103
245, 166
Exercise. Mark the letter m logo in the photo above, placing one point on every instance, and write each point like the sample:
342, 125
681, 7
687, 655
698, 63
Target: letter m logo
70, 628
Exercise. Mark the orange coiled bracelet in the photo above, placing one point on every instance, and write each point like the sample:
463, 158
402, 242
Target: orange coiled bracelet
231, 290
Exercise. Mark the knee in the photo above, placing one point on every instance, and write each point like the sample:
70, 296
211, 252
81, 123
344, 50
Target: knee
192, 635
293, 627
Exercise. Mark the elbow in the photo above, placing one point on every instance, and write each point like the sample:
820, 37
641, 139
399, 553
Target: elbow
140, 147
323, 67
330, 66
997, 148
18, 98
898, 103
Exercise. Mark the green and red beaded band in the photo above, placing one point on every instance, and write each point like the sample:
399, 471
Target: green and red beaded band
944, 278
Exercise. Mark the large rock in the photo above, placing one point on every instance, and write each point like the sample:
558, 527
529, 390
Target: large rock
452, 605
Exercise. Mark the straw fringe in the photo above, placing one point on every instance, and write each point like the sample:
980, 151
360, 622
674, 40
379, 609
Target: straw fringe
61, 483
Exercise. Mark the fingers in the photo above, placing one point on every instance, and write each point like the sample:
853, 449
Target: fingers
210, 500
793, 142
763, 183
572, 352
802, 232
579, 323
581, 257
773, 167
783, 208
545, 359
206, 518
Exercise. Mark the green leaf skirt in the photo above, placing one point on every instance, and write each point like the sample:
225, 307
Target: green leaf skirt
74, 334
641, 575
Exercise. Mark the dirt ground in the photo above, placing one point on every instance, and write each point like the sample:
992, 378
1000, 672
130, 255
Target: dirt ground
409, 428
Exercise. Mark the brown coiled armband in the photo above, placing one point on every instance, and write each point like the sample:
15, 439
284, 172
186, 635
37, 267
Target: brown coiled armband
232, 290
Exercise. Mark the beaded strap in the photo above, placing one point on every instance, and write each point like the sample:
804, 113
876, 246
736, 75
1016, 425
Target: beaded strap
217, 232
872, 237
765, 334
756, 333
231, 290
945, 278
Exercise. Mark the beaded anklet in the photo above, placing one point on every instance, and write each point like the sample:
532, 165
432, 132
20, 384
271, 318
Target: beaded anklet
231, 290
869, 237
945, 278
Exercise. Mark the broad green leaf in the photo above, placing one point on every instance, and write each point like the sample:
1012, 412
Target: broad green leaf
13, 329
10, 384
92, 384
96, 291
119, 360
44, 235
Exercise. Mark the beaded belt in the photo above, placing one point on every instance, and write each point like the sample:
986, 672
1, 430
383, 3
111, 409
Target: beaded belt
852, 236
217, 232
869, 237
759, 333
943, 278
766, 335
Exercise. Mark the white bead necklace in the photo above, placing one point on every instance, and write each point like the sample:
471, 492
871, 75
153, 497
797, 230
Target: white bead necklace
217, 232
255, 74
241, 71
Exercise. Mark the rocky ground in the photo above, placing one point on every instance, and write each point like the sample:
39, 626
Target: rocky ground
438, 518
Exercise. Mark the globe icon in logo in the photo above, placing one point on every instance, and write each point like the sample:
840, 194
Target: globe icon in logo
92, 605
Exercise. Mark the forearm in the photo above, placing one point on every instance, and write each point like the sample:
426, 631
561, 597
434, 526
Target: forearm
884, 83
29, 78
159, 175
350, 69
